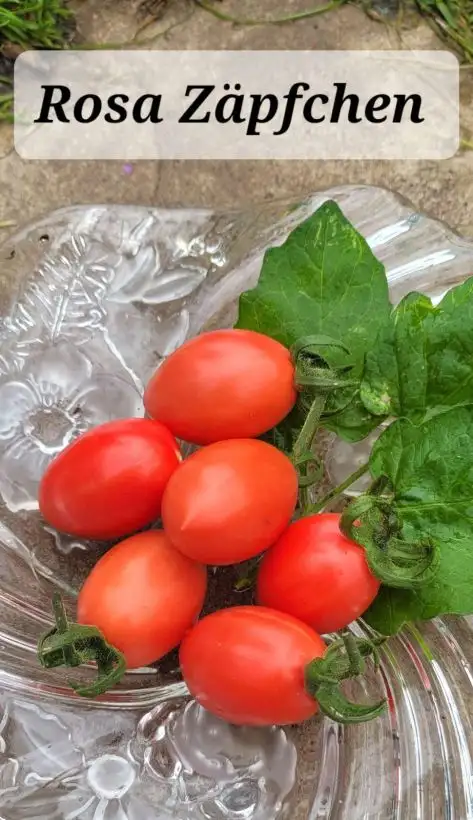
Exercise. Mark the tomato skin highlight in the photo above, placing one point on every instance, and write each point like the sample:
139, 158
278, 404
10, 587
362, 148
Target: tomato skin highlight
315, 573
143, 595
246, 665
229, 501
223, 384
110, 481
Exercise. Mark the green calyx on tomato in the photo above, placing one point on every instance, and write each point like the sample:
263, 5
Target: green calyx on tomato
344, 659
372, 521
74, 644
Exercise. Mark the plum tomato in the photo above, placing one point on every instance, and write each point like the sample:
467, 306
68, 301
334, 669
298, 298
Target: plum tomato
110, 481
315, 573
223, 384
230, 501
247, 664
143, 595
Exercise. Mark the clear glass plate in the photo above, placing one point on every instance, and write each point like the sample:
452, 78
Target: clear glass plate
91, 299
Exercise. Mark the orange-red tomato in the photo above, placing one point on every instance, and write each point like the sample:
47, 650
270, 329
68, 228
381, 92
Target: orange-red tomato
315, 573
143, 595
110, 481
223, 384
229, 501
246, 665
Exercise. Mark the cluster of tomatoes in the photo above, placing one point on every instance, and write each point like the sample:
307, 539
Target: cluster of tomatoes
230, 500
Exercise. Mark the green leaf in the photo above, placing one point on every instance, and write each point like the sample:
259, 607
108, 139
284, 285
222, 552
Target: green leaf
352, 423
431, 469
423, 358
391, 609
323, 280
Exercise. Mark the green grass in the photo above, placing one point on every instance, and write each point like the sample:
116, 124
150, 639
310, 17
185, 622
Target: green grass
34, 23
453, 21
26, 24
6, 99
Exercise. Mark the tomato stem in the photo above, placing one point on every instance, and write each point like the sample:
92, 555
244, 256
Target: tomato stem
314, 471
372, 522
303, 447
317, 376
248, 578
344, 659
306, 436
74, 644
59, 613
71, 657
338, 490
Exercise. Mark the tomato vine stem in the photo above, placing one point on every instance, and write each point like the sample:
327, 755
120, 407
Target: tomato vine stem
316, 379
309, 428
303, 447
338, 490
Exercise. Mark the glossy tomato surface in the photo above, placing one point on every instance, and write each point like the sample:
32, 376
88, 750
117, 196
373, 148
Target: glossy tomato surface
246, 665
223, 384
316, 574
110, 481
143, 595
229, 501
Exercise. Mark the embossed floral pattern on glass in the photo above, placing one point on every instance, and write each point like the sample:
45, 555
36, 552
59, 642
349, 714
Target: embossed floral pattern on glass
96, 298
177, 762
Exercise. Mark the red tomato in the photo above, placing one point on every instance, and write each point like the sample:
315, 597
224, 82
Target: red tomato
221, 385
246, 665
143, 595
110, 481
230, 501
317, 574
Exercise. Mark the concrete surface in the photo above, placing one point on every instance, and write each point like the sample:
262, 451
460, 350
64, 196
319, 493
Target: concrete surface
444, 189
